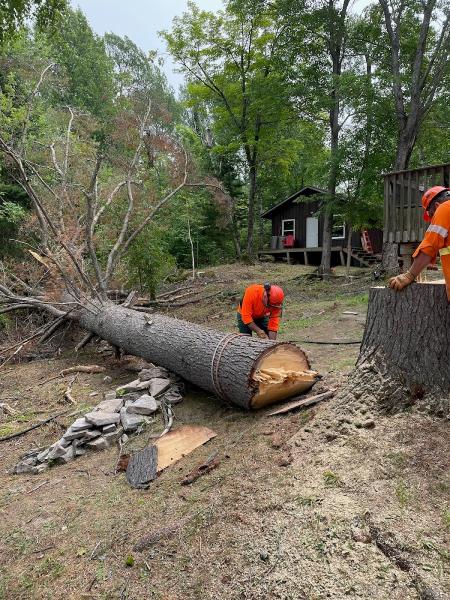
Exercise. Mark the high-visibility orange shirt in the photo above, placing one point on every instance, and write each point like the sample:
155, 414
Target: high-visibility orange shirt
436, 236
252, 307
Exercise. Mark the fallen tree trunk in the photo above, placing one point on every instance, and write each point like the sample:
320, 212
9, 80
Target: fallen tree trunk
405, 352
246, 371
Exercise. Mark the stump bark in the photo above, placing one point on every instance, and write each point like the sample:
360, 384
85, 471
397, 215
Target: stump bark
405, 352
246, 371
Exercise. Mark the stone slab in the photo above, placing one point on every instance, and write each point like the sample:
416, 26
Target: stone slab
109, 428
111, 405
99, 444
134, 386
129, 421
100, 418
145, 405
158, 386
80, 424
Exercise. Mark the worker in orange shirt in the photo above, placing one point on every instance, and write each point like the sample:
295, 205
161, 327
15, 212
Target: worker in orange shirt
260, 310
436, 206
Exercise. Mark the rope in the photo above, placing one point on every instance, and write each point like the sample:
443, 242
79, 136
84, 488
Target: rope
215, 362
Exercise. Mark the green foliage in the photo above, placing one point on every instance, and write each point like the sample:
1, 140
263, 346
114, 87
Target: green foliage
13, 205
148, 261
88, 70
14, 13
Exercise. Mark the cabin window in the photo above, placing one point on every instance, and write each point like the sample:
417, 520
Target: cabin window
288, 227
338, 228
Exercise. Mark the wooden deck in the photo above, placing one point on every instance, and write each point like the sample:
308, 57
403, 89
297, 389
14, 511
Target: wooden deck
361, 258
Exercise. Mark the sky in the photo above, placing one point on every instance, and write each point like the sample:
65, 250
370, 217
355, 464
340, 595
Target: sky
141, 20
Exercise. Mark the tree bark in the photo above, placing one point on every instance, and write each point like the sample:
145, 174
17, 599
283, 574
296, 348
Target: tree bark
251, 210
246, 371
405, 352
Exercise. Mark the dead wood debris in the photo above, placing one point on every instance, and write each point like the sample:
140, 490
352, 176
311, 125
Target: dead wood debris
211, 463
83, 369
389, 546
141, 467
68, 393
301, 402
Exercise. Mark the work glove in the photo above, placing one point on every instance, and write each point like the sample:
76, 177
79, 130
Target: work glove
262, 335
401, 281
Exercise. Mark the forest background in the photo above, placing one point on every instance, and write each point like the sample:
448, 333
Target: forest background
278, 95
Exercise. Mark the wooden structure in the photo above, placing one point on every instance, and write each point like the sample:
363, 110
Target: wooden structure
403, 213
299, 216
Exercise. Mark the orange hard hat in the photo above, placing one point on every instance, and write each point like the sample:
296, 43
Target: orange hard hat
275, 295
428, 197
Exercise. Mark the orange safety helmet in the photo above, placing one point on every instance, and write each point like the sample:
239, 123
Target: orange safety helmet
428, 197
275, 295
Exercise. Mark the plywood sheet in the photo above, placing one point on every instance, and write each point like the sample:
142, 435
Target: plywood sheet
179, 442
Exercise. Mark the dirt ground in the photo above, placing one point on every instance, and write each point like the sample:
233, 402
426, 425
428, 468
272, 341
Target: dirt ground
281, 517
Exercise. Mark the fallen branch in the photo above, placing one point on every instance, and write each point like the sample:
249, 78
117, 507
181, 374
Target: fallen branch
87, 338
211, 463
193, 301
68, 393
39, 424
83, 369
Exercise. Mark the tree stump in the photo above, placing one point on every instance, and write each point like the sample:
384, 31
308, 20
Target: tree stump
404, 358
246, 371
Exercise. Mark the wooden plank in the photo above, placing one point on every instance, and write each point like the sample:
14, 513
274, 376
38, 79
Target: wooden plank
305, 254
302, 402
179, 442
409, 200
386, 210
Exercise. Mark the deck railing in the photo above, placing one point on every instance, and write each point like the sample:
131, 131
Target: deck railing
403, 191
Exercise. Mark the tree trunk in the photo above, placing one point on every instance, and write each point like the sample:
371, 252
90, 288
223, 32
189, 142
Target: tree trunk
251, 210
405, 352
246, 371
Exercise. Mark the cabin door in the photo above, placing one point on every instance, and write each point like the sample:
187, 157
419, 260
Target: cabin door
312, 232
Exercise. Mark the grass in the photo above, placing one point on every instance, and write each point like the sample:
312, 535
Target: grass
332, 479
403, 493
446, 519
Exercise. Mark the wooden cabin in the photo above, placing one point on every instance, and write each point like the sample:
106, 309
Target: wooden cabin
403, 212
297, 229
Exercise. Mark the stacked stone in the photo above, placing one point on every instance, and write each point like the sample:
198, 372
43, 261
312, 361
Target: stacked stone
121, 413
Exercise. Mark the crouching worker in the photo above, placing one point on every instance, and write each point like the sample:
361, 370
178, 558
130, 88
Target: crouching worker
260, 310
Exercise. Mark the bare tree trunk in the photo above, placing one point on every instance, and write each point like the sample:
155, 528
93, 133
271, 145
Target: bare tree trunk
246, 371
251, 210
404, 358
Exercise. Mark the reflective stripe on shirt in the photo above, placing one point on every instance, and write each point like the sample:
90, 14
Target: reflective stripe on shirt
438, 229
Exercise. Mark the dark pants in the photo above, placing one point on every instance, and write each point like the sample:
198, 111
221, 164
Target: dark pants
262, 323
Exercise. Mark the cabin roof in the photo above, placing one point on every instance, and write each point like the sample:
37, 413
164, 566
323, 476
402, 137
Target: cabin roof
305, 191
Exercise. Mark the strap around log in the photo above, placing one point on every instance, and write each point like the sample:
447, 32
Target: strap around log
215, 362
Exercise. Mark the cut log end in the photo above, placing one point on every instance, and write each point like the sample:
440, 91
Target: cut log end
281, 372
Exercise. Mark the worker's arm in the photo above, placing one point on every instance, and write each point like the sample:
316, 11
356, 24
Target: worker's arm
259, 332
421, 261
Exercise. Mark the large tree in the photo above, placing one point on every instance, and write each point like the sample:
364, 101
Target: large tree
418, 36
232, 60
